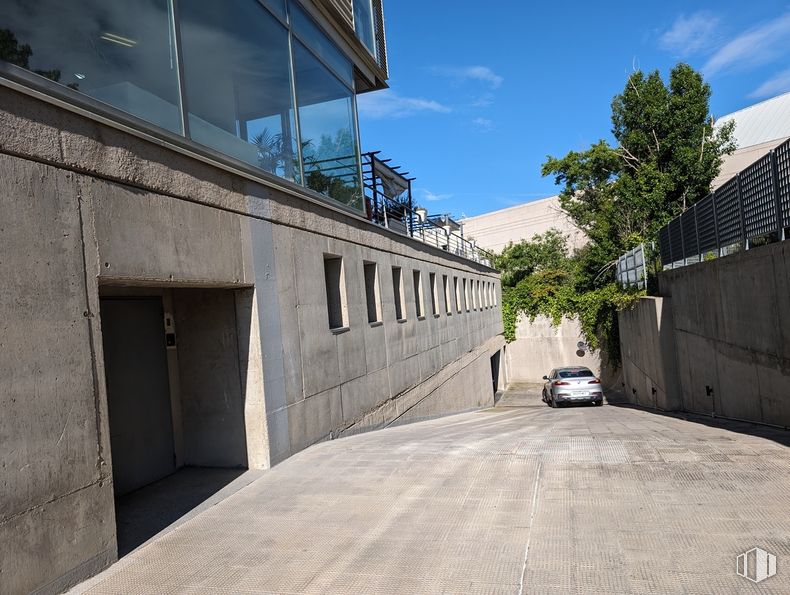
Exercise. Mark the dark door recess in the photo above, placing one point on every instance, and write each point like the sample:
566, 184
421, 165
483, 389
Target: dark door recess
138, 391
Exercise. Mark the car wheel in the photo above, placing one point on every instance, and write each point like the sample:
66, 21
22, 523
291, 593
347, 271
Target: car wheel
553, 403
599, 403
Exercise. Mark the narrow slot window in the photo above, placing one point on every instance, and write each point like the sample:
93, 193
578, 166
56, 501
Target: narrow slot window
335, 291
397, 290
434, 294
448, 307
466, 295
372, 292
418, 302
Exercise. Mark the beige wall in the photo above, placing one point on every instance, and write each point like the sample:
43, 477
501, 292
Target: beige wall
540, 346
733, 164
87, 206
495, 230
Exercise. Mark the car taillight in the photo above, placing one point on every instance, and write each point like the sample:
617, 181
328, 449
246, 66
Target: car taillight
596, 381
561, 383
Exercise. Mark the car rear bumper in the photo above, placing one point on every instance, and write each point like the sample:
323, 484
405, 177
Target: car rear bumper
571, 397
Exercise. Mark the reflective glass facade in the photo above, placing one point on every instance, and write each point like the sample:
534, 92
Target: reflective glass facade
363, 23
256, 80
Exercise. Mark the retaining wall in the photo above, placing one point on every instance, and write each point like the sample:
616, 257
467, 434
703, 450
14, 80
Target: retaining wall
730, 331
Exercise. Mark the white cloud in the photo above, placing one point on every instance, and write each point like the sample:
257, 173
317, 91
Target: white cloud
780, 83
485, 100
475, 73
379, 105
483, 124
690, 34
431, 197
756, 46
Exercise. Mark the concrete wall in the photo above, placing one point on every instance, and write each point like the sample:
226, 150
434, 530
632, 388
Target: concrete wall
648, 354
731, 334
212, 402
56, 500
540, 346
87, 208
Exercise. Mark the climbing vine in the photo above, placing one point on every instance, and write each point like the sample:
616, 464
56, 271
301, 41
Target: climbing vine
540, 278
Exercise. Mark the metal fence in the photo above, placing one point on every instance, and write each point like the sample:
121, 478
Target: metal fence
388, 202
631, 271
752, 206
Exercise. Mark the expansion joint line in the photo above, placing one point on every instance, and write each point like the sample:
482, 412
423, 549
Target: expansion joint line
533, 513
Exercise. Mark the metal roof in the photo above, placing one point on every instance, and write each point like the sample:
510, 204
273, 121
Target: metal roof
762, 122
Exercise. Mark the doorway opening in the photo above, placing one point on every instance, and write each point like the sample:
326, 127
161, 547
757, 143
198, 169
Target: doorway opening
495, 360
175, 401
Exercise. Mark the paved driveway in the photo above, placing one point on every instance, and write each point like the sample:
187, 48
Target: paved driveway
517, 499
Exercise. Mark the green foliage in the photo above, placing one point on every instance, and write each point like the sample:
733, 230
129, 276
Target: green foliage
335, 155
539, 277
668, 153
517, 261
666, 157
15, 53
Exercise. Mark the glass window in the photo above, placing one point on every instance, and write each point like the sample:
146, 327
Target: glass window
363, 23
276, 6
328, 130
121, 53
581, 373
238, 85
309, 34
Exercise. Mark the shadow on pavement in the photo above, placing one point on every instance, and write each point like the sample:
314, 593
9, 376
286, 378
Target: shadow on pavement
147, 511
775, 434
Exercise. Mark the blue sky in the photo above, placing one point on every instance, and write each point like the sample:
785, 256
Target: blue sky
479, 96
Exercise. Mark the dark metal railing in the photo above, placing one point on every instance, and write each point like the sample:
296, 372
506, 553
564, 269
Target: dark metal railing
389, 203
752, 208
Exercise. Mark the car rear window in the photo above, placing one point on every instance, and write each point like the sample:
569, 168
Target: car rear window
576, 374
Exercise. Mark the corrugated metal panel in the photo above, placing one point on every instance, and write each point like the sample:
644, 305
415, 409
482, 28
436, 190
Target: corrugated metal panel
757, 195
762, 122
676, 239
728, 213
381, 37
665, 246
706, 224
345, 9
783, 175
688, 224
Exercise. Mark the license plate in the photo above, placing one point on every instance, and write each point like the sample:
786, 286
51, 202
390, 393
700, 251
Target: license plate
580, 395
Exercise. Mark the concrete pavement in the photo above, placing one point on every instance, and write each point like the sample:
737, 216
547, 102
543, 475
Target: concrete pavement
521, 498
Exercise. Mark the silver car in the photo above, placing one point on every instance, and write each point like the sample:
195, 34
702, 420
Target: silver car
572, 385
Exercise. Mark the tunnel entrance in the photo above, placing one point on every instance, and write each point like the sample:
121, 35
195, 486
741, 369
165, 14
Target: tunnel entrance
175, 402
495, 361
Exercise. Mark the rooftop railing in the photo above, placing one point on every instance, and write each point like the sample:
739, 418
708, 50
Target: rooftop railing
389, 203
753, 208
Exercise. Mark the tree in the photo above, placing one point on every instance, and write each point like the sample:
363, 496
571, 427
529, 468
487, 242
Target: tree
666, 157
15, 53
544, 252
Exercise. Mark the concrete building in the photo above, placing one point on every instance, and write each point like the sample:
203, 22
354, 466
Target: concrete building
495, 230
191, 275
